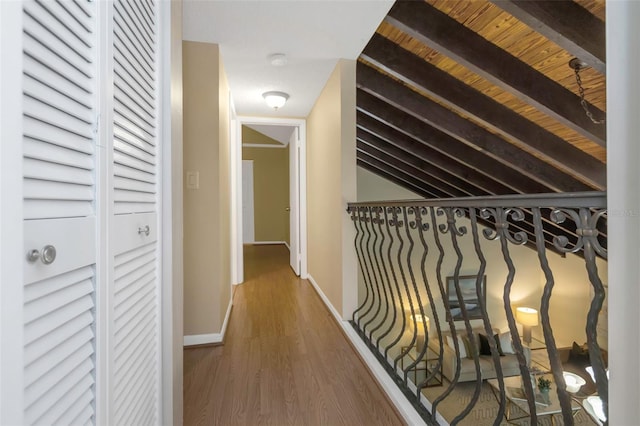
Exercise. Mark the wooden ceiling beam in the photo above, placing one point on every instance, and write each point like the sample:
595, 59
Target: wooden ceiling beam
436, 29
467, 132
377, 133
410, 165
453, 148
415, 184
385, 134
399, 172
550, 228
565, 23
377, 144
450, 91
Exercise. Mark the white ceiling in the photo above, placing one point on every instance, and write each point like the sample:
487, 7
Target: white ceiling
313, 34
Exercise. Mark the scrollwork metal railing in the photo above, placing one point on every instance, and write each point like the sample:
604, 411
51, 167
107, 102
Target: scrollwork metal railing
437, 276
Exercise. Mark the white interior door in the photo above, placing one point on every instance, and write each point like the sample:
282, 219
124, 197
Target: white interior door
134, 339
59, 186
294, 201
248, 219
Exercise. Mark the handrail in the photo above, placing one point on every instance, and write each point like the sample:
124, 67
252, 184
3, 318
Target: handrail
593, 199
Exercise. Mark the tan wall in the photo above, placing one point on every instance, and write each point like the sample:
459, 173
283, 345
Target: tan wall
372, 187
270, 192
571, 294
207, 209
331, 183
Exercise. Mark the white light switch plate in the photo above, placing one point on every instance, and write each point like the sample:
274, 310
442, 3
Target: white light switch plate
193, 180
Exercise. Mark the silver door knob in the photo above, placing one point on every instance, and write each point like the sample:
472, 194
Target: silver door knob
47, 255
144, 230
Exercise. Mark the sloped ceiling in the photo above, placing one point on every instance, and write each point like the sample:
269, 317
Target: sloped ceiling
474, 98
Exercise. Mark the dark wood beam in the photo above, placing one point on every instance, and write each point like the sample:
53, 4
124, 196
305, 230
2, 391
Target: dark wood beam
565, 23
550, 228
430, 112
434, 28
377, 129
408, 182
408, 167
453, 93
404, 176
411, 159
411, 126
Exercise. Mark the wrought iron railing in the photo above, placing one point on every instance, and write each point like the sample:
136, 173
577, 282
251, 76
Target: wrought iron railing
436, 273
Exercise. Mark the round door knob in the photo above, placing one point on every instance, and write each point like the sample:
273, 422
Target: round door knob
47, 255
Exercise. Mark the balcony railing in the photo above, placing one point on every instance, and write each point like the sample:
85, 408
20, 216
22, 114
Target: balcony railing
437, 274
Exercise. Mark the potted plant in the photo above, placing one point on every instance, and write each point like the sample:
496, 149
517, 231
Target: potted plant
544, 385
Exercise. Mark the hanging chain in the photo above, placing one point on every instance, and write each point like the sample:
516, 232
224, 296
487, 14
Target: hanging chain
582, 101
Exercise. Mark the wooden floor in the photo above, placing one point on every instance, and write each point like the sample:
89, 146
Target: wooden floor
284, 361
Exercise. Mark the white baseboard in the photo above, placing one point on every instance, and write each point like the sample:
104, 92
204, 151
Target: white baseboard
287, 244
265, 243
207, 339
396, 396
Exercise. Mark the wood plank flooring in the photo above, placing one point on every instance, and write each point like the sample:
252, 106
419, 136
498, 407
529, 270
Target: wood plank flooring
284, 362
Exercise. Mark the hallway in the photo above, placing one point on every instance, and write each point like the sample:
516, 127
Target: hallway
284, 361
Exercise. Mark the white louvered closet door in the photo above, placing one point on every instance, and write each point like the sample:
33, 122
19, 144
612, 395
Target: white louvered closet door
135, 293
59, 181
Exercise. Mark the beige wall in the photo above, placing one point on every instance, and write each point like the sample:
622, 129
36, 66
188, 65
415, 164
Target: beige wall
331, 183
207, 209
372, 187
270, 192
571, 294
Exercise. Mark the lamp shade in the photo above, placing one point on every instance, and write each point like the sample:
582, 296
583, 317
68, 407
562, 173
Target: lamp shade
527, 316
572, 381
420, 323
275, 99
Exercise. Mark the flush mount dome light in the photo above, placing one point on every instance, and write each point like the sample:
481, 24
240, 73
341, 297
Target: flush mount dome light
275, 100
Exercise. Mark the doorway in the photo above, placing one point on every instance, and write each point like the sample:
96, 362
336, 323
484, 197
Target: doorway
296, 209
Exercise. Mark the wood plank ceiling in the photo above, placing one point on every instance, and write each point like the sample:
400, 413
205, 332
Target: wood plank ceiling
473, 98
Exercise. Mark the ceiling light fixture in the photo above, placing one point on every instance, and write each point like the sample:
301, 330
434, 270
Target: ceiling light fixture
275, 100
277, 59
577, 65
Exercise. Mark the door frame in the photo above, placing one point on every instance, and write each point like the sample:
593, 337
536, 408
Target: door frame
12, 250
237, 266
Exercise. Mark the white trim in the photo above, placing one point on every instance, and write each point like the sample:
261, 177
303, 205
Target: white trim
171, 212
11, 211
287, 244
202, 339
302, 140
623, 206
260, 145
206, 339
300, 123
404, 407
265, 243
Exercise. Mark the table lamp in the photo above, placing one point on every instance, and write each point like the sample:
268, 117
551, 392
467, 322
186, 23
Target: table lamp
528, 317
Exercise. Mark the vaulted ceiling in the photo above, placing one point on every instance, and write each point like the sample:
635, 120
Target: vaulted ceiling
473, 98
477, 97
